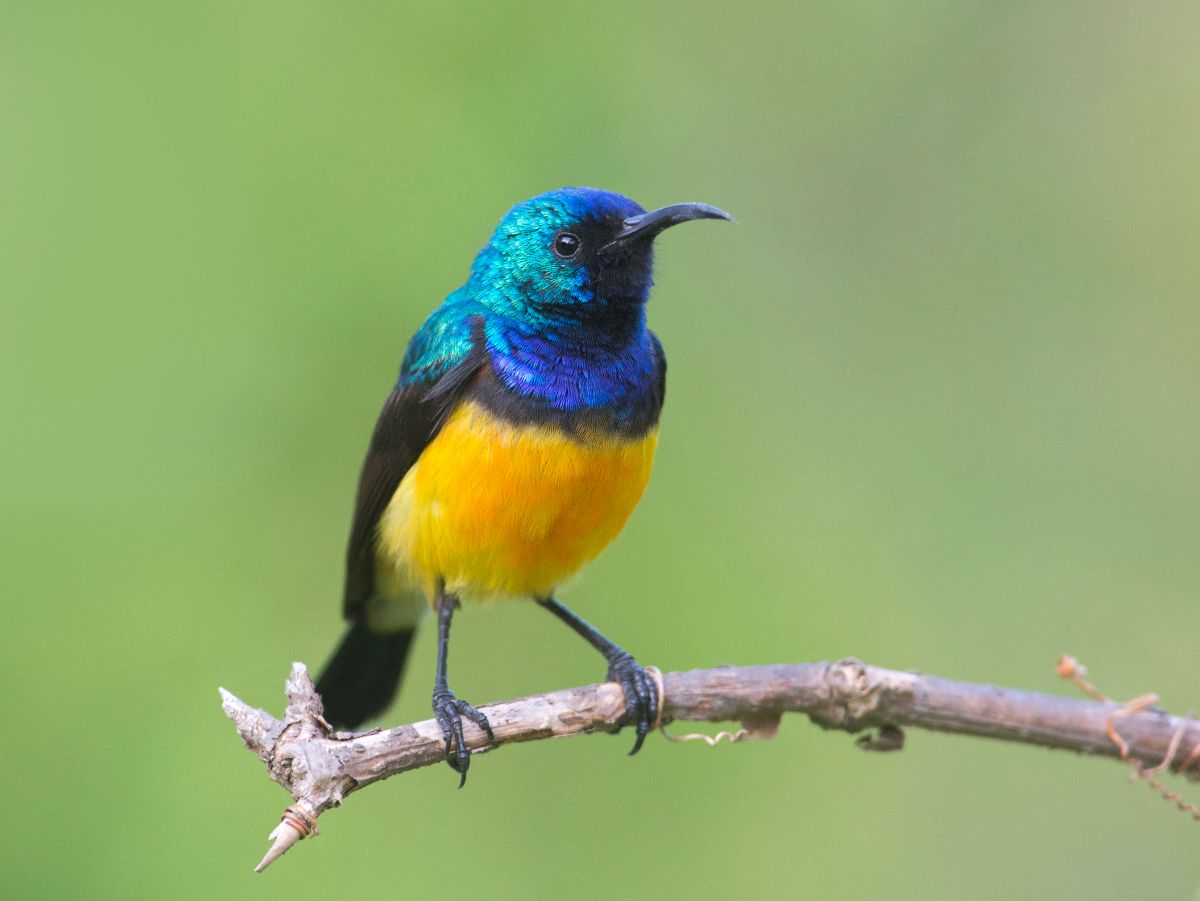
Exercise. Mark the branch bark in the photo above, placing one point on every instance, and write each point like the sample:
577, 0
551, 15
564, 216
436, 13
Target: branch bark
320, 767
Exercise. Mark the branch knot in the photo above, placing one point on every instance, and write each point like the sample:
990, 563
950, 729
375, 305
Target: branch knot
854, 696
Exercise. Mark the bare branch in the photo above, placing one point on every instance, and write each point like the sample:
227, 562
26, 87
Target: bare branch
320, 768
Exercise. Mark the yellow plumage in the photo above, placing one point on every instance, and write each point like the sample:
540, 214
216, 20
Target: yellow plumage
502, 510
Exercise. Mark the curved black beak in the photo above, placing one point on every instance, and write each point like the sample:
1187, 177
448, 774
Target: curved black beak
647, 225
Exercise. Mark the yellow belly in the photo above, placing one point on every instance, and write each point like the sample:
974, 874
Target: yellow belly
498, 510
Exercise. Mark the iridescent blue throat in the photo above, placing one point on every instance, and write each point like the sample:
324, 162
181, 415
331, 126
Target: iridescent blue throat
573, 366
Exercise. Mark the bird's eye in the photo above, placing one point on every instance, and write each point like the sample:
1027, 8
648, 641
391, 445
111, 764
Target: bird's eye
566, 245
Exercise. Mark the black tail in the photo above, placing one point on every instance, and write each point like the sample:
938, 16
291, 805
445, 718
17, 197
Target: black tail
364, 674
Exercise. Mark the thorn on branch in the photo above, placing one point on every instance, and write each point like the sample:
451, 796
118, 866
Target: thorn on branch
297, 823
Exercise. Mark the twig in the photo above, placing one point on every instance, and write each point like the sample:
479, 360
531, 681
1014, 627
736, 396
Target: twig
1071, 669
320, 768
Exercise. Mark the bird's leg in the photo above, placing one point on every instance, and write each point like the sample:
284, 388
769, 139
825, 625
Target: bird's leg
448, 709
641, 693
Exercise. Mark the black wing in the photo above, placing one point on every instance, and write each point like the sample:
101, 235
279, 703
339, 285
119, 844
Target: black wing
411, 418
660, 384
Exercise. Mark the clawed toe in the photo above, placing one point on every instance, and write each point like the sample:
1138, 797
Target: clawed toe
449, 711
641, 695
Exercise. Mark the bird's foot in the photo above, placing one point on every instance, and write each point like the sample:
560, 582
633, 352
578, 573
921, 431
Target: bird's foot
641, 695
449, 711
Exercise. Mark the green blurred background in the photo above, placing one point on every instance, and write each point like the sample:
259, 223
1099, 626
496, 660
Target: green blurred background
933, 403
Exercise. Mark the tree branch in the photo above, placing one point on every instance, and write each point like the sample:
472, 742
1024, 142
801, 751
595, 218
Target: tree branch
320, 767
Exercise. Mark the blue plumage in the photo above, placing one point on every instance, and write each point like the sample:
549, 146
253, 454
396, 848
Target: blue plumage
556, 331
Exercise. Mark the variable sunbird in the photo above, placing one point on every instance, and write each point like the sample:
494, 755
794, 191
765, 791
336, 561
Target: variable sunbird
513, 448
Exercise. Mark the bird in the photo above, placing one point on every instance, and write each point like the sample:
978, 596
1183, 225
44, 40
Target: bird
512, 449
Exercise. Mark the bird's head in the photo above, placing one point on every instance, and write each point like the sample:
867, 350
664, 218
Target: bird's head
569, 250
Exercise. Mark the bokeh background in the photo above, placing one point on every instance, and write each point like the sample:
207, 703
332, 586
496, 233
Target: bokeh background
932, 403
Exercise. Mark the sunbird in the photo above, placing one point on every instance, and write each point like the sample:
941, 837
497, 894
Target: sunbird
513, 448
